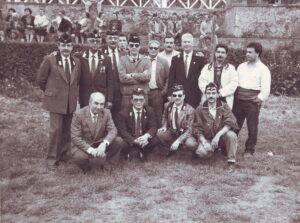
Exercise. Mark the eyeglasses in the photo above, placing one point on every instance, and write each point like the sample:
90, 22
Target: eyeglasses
136, 45
177, 95
138, 99
153, 48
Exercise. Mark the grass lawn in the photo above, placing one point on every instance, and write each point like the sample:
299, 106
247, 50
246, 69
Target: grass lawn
178, 189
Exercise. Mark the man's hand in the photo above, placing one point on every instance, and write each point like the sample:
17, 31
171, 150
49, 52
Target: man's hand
92, 151
175, 145
215, 142
142, 140
162, 129
207, 146
101, 150
109, 105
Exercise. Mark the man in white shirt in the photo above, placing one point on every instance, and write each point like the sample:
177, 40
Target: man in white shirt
169, 51
253, 89
222, 74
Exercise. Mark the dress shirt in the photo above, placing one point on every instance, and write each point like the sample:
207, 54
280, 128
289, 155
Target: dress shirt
152, 83
156, 27
64, 62
41, 21
90, 59
110, 53
168, 57
188, 60
173, 114
93, 116
255, 76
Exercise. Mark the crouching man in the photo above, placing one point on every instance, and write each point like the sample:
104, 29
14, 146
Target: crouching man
214, 126
177, 123
93, 134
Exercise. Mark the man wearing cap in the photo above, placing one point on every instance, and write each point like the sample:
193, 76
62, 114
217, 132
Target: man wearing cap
185, 70
112, 51
58, 77
159, 80
94, 134
134, 71
177, 123
137, 126
214, 126
157, 29
96, 70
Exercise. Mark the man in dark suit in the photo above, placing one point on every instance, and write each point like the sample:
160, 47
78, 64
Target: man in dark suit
158, 80
137, 126
58, 77
94, 134
185, 70
177, 123
113, 52
96, 73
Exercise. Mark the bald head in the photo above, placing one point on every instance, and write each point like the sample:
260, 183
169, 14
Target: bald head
97, 102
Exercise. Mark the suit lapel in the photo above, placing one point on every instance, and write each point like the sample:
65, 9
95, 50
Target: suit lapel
60, 66
192, 64
131, 119
99, 124
144, 120
73, 73
89, 121
182, 114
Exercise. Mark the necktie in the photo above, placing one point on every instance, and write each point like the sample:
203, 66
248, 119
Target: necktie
94, 119
138, 124
174, 27
67, 70
186, 65
93, 65
114, 59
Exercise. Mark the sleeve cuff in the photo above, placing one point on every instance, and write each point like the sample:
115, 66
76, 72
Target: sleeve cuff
90, 149
106, 142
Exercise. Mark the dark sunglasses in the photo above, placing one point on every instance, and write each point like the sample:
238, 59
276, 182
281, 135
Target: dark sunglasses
153, 48
136, 45
177, 95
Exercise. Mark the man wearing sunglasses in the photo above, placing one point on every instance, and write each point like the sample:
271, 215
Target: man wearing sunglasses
177, 123
185, 70
158, 81
134, 71
214, 126
137, 126
96, 70
58, 78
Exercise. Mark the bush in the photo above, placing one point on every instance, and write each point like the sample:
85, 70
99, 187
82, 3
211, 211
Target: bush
19, 63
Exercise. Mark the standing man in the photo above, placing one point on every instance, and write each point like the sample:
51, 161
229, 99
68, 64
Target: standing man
123, 43
158, 81
94, 134
177, 123
112, 51
214, 126
96, 73
169, 51
175, 28
222, 73
206, 28
58, 77
134, 72
157, 29
253, 89
185, 70
137, 126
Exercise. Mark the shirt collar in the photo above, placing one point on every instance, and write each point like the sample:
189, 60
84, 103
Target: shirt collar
189, 54
92, 114
63, 57
93, 54
136, 111
179, 107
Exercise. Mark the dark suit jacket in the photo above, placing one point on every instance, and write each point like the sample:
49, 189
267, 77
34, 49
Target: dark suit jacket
190, 83
101, 81
59, 95
126, 123
84, 132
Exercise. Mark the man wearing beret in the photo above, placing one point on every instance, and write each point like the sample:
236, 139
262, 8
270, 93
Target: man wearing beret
96, 72
134, 72
58, 78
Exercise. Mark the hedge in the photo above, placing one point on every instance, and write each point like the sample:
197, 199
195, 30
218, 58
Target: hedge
19, 63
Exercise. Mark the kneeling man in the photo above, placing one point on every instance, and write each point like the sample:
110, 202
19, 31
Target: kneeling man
214, 126
137, 126
177, 123
93, 134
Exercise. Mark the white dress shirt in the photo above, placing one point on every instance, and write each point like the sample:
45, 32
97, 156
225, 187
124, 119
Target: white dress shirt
64, 62
188, 60
152, 82
110, 53
90, 59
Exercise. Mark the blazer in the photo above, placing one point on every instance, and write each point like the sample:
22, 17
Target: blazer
84, 132
126, 123
60, 96
162, 74
190, 83
185, 119
101, 81
229, 82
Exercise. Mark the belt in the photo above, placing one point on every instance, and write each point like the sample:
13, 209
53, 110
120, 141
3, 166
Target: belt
155, 89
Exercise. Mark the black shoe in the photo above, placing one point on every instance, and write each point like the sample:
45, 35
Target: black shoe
171, 153
231, 166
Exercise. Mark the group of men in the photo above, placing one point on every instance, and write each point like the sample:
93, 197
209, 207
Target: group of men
131, 103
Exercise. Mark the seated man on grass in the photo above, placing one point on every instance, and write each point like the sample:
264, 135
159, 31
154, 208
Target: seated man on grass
214, 126
94, 134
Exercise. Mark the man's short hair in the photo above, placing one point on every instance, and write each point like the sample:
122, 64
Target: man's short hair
178, 87
256, 46
211, 86
95, 94
154, 41
138, 91
220, 45
187, 36
65, 38
168, 36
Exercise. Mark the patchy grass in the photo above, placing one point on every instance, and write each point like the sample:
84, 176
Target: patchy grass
178, 189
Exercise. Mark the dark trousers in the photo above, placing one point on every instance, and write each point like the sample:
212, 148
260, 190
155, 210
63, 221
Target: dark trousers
155, 100
82, 159
249, 110
60, 136
145, 150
